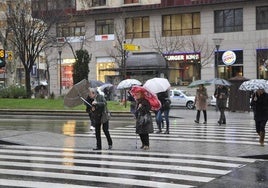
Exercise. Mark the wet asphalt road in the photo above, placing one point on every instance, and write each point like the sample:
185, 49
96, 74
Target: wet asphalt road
236, 139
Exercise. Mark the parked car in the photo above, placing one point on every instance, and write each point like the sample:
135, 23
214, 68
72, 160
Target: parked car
212, 101
182, 98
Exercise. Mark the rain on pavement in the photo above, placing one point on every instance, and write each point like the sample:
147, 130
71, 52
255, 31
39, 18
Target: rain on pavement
191, 156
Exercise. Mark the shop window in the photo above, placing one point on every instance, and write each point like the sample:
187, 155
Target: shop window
229, 20
181, 24
104, 27
105, 69
262, 18
183, 68
262, 64
137, 27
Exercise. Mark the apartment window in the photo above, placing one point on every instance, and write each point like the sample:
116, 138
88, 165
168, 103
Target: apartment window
262, 64
130, 1
181, 24
262, 18
230, 20
137, 27
104, 27
96, 3
71, 29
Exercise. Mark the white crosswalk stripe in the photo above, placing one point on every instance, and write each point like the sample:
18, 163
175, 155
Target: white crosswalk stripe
233, 132
32, 166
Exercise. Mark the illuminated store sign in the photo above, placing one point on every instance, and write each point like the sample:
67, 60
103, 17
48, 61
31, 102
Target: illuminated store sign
182, 57
228, 58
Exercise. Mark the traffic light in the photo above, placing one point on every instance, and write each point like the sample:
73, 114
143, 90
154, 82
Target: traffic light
2, 58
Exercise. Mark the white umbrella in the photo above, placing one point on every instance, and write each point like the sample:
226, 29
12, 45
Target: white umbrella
128, 83
254, 84
157, 85
106, 85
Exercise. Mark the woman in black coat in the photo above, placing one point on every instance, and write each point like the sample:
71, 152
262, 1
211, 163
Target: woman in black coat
260, 107
143, 128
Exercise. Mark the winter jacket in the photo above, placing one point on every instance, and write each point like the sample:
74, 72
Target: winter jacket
141, 111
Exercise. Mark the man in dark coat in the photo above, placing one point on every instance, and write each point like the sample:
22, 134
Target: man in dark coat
260, 106
221, 94
98, 105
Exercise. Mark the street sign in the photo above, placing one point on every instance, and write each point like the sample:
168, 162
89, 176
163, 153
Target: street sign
131, 47
9, 55
2, 53
2, 58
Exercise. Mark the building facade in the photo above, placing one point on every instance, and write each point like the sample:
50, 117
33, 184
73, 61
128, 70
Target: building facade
184, 32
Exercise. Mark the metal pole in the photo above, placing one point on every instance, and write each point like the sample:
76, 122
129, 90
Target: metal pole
38, 78
60, 68
217, 61
217, 42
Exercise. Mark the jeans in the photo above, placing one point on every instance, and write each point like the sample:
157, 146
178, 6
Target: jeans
159, 119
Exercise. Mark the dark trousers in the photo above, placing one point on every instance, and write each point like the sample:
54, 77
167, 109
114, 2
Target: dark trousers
260, 125
222, 119
198, 115
105, 128
144, 139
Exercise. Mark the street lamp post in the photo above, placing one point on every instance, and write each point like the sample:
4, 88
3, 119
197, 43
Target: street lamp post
217, 42
60, 52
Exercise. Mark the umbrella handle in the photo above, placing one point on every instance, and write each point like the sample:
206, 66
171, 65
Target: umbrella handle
85, 101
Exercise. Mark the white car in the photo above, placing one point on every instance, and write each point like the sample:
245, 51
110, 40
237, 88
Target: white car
212, 101
182, 98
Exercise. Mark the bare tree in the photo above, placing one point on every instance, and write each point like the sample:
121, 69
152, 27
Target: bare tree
30, 36
166, 45
201, 46
118, 52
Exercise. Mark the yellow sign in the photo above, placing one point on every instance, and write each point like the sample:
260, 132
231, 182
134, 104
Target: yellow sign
2, 53
131, 47
9, 55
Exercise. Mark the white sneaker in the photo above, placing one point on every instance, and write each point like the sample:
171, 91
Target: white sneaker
92, 128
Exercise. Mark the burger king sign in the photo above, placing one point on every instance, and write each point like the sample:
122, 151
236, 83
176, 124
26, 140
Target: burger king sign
228, 58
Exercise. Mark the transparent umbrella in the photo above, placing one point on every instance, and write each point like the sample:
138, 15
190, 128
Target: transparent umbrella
157, 85
128, 83
219, 81
77, 94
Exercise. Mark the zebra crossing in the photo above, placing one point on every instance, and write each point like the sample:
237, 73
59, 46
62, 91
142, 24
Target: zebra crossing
32, 166
235, 132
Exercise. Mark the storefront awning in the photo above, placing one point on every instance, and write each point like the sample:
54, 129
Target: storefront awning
146, 59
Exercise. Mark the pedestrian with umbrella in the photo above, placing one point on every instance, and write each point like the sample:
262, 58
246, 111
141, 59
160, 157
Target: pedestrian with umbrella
99, 116
260, 103
146, 101
201, 103
165, 108
221, 94
160, 86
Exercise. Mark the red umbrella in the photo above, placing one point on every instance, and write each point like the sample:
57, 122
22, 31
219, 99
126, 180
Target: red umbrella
151, 97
